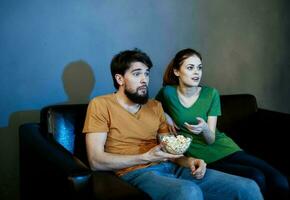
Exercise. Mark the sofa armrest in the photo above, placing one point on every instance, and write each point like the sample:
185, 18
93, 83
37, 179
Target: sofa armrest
46, 166
31, 140
271, 130
270, 117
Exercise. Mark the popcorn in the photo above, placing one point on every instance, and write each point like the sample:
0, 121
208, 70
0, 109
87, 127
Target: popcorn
176, 145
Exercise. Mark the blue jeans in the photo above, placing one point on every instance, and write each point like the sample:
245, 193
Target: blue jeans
170, 181
272, 183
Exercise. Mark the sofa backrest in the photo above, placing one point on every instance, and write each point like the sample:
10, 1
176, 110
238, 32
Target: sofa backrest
64, 123
237, 112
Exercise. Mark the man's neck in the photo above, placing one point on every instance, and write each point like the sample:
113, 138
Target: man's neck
126, 103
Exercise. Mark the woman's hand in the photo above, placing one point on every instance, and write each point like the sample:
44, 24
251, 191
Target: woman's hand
197, 129
171, 124
204, 129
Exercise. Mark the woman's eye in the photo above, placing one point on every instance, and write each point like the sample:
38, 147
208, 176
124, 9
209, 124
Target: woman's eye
199, 67
190, 68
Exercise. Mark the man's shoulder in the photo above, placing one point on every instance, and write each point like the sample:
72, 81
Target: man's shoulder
153, 104
103, 99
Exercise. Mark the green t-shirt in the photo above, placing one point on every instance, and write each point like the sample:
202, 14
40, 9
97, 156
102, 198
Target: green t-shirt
207, 104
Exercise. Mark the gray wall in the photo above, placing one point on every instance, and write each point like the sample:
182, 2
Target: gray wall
246, 49
54, 52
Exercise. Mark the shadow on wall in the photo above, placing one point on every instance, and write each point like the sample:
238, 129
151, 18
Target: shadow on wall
78, 82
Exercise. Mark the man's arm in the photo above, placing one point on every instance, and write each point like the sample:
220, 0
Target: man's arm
101, 160
197, 166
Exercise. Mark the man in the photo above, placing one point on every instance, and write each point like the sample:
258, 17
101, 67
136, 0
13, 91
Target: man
121, 136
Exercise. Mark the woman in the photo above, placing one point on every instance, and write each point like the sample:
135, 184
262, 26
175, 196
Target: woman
194, 109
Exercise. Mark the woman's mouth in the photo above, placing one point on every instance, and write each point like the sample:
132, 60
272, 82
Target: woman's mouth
195, 78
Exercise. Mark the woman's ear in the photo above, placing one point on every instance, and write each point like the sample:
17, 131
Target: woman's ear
176, 72
119, 78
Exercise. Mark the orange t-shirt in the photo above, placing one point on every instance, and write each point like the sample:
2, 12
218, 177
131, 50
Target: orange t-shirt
128, 134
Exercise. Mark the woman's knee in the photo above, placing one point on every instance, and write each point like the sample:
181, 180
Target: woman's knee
279, 181
278, 187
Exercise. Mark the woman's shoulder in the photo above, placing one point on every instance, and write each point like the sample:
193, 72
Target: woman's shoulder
169, 89
209, 90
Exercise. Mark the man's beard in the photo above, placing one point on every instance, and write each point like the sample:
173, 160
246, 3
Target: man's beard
137, 98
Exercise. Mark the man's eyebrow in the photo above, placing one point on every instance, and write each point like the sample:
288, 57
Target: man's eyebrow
138, 69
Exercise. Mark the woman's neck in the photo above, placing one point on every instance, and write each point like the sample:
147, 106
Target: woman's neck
187, 91
188, 95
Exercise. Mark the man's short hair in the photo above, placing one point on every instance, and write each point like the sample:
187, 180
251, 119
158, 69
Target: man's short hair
123, 60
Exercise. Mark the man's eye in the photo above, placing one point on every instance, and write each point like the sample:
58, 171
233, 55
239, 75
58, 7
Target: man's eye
136, 74
146, 74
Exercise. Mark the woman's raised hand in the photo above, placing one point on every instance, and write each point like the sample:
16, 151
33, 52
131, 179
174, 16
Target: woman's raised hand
196, 129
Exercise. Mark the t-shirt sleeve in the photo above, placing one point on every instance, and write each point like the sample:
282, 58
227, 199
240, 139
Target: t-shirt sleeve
163, 127
215, 108
97, 117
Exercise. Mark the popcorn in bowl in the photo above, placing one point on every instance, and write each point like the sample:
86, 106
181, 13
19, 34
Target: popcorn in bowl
175, 145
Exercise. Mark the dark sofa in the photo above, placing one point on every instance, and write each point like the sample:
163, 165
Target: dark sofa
53, 162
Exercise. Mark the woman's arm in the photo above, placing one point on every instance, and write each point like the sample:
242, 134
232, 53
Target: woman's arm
208, 131
173, 128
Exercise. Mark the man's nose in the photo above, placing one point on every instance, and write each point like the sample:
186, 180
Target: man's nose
144, 79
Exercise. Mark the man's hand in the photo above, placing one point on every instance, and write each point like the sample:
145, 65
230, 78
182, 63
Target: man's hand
156, 155
198, 167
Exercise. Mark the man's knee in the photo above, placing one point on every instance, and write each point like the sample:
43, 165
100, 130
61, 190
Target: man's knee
260, 179
249, 189
186, 191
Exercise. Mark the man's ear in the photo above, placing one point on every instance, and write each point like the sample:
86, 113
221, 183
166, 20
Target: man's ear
119, 78
176, 72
